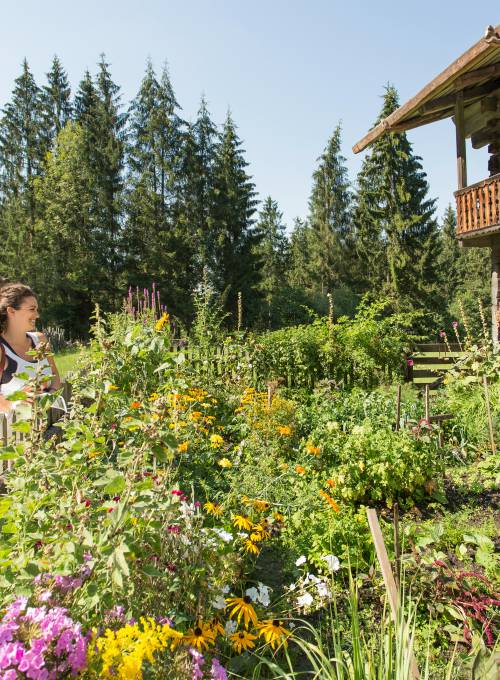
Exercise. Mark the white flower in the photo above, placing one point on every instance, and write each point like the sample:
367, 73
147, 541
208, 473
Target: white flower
226, 590
224, 535
332, 561
291, 586
301, 561
264, 598
252, 593
219, 602
305, 600
312, 578
323, 590
230, 627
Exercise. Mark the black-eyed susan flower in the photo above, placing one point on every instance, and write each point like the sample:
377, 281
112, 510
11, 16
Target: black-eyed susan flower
250, 547
214, 509
261, 506
183, 447
315, 450
300, 470
216, 626
273, 632
242, 640
242, 607
242, 522
201, 636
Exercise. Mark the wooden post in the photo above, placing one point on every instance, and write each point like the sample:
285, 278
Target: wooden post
388, 576
427, 403
398, 408
460, 138
488, 413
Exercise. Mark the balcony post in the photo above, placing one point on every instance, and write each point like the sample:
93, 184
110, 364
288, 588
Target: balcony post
460, 138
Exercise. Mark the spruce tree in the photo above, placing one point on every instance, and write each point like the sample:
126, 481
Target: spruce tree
329, 208
395, 230
232, 265
22, 150
56, 101
157, 242
272, 254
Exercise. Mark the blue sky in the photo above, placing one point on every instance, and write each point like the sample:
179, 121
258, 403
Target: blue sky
289, 70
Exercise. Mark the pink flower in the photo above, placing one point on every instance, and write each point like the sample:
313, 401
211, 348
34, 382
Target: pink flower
442, 334
454, 324
177, 492
409, 362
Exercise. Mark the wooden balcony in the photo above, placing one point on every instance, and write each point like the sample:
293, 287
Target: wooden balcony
478, 208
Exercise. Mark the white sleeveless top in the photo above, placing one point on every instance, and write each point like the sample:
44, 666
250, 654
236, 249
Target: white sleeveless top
9, 382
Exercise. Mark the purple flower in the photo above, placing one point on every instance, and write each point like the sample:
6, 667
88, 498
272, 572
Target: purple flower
198, 661
217, 672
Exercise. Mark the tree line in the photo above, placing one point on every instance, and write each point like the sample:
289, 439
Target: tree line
96, 197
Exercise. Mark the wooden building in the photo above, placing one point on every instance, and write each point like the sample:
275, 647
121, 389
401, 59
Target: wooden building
468, 92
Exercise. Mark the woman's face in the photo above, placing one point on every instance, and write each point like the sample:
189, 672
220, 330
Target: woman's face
24, 318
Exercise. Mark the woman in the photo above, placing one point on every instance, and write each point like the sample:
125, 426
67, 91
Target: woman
18, 315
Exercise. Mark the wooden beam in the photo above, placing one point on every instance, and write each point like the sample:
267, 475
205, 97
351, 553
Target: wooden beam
448, 101
477, 75
472, 56
486, 135
489, 104
495, 293
460, 140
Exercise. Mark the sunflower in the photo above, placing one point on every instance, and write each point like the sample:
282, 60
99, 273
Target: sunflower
242, 607
242, 640
201, 636
273, 632
242, 522
214, 509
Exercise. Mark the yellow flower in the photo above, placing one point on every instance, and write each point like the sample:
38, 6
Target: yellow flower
135, 405
242, 640
201, 636
242, 522
112, 388
154, 396
284, 430
182, 448
195, 415
331, 483
161, 321
278, 517
250, 547
216, 626
262, 530
315, 450
224, 463
300, 470
242, 607
216, 441
273, 633
214, 509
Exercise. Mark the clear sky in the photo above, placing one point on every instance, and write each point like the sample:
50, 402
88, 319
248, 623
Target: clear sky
288, 69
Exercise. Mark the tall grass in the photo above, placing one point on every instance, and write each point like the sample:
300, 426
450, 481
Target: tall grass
384, 654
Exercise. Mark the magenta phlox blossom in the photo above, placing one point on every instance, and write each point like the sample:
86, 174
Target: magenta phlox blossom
40, 643
198, 661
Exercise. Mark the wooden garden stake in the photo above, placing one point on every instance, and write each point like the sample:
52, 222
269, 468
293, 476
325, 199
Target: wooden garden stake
427, 404
397, 552
385, 565
488, 413
398, 408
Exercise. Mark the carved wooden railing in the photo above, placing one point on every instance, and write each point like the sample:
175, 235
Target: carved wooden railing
478, 206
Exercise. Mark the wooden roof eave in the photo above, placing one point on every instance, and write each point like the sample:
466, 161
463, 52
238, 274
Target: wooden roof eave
435, 101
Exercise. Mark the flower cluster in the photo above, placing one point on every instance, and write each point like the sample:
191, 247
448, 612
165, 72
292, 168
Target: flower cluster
40, 643
122, 653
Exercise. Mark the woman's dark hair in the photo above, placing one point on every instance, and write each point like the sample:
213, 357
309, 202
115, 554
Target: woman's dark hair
12, 295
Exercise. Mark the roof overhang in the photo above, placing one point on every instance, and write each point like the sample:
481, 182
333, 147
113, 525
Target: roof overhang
476, 73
